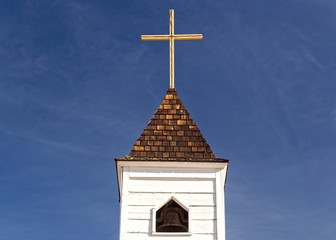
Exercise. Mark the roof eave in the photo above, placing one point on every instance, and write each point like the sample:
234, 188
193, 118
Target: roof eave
146, 159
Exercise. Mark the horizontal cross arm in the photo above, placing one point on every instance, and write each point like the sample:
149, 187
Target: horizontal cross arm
188, 36
175, 37
154, 37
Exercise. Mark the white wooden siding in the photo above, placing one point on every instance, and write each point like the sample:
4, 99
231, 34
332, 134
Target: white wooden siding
149, 188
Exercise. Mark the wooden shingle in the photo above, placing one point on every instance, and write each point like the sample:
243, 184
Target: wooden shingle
172, 135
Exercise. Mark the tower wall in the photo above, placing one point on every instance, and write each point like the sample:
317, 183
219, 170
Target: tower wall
197, 186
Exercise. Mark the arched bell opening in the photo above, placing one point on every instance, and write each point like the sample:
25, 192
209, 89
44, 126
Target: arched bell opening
172, 217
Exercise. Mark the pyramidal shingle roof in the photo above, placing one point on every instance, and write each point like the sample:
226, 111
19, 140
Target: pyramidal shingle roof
171, 135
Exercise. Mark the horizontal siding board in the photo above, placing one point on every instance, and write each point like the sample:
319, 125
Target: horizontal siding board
174, 185
172, 173
204, 213
204, 226
158, 199
138, 226
139, 212
197, 226
172, 169
144, 236
139, 216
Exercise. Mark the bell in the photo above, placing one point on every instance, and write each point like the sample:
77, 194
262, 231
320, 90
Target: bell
172, 220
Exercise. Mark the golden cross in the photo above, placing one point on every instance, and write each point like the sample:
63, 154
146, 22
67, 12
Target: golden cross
171, 38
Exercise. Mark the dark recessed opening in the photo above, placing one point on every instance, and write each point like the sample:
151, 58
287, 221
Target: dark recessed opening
172, 218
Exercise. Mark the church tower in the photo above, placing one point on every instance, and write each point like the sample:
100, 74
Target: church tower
171, 184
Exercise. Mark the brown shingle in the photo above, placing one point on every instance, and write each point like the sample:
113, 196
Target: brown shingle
172, 135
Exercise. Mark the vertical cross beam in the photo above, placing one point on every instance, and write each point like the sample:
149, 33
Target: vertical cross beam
171, 49
171, 37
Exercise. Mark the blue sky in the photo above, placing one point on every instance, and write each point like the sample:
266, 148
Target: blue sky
77, 87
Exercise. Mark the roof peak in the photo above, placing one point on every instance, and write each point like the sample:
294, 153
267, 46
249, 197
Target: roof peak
171, 90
